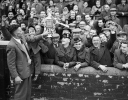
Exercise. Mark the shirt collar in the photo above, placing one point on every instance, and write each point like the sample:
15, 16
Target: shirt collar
18, 40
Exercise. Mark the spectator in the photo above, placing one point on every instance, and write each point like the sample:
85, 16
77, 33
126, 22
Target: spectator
121, 56
82, 54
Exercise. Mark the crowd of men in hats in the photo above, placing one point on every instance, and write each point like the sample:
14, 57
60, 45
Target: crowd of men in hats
94, 36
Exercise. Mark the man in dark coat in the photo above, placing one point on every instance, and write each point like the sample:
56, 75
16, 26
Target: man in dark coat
82, 54
121, 56
100, 55
65, 53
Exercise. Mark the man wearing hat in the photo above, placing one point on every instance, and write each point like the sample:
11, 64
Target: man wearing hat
113, 17
82, 54
65, 54
121, 56
19, 64
121, 36
19, 18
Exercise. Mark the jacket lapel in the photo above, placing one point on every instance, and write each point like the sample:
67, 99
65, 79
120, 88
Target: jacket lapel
18, 45
101, 52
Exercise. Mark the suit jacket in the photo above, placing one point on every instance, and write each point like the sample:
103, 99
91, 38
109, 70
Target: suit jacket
17, 60
103, 57
122, 8
119, 59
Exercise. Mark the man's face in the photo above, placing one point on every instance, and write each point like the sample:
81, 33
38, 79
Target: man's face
42, 14
65, 40
103, 38
10, 15
96, 41
124, 48
38, 28
92, 32
19, 17
55, 40
18, 33
72, 14
100, 23
109, 1
106, 8
123, 1
87, 29
78, 45
107, 33
78, 18
121, 38
113, 13
87, 18
82, 25
13, 22
75, 8
35, 20
31, 30
85, 4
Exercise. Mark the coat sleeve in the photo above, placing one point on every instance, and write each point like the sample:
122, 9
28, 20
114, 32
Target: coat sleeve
93, 63
6, 33
87, 59
73, 62
116, 62
11, 58
57, 60
33, 38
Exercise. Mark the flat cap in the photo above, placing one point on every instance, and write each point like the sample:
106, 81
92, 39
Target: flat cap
77, 39
113, 9
121, 33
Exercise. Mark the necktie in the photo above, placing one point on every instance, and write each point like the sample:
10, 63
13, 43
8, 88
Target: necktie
25, 50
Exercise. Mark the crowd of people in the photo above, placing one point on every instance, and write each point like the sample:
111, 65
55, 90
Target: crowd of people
70, 34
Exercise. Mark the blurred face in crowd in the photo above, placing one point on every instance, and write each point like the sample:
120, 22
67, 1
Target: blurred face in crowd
87, 29
65, 10
87, 18
23, 26
10, 7
13, 22
17, 6
10, 15
36, 1
38, 29
22, 12
18, 33
82, 25
123, 1
51, 3
98, 3
57, 15
55, 40
78, 18
112, 13
31, 30
106, 7
65, 40
42, 14
92, 33
124, 48
23, 6
109, 1
96, 41
72, 14
19, 17
103, 37
61, 1
75, 8
35, 21
78, 45
100, 23
33, 10
107, 33
56, 9
85, 4
121, 38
